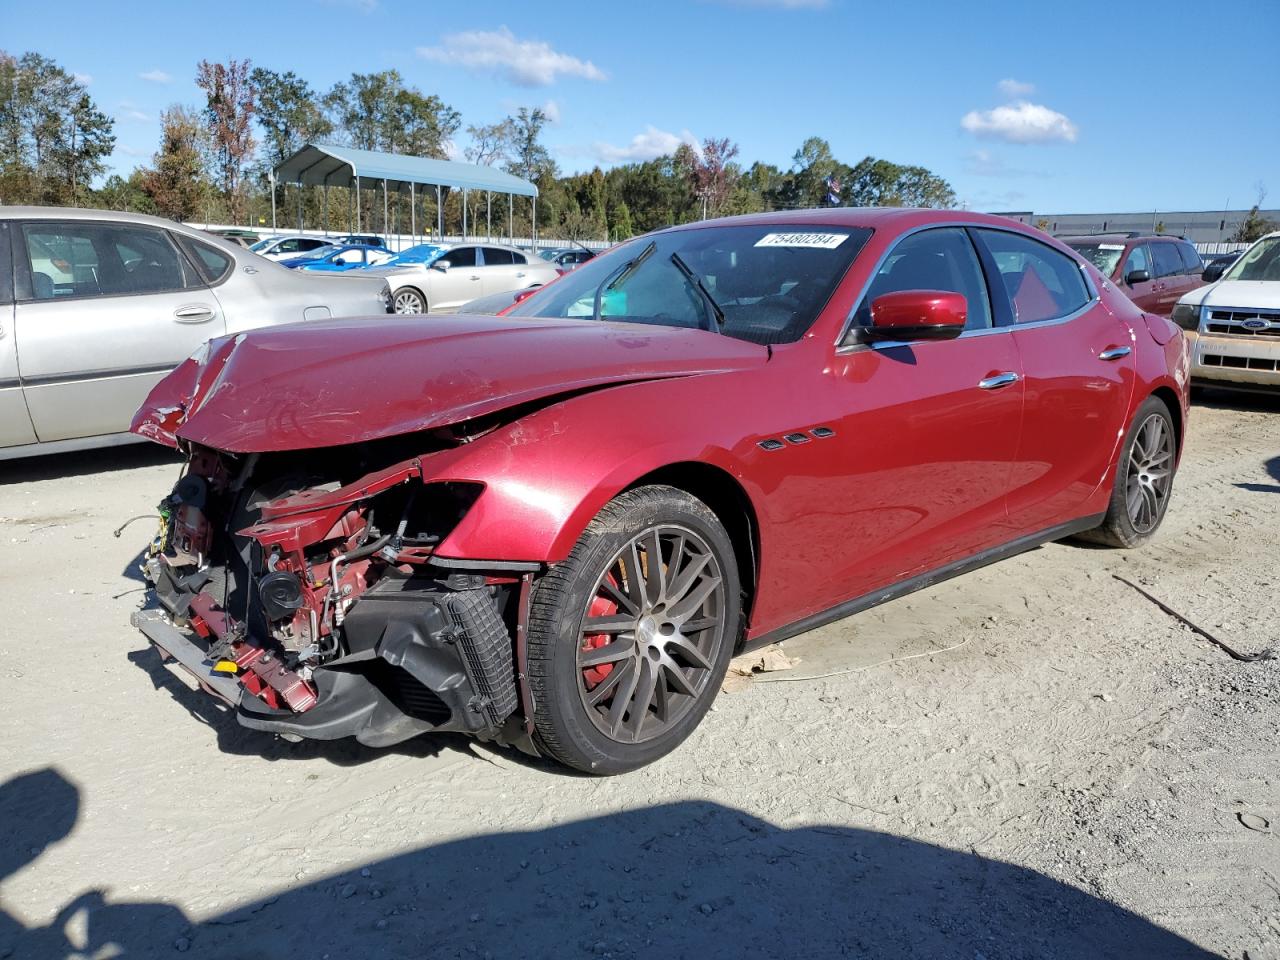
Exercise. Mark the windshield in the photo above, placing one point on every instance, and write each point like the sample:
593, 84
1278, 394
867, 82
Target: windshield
262, 244
1104, 256
770, 281
548, 254
1260, 262
422, 253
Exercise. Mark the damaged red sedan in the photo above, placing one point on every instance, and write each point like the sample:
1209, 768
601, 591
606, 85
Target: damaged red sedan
555, 528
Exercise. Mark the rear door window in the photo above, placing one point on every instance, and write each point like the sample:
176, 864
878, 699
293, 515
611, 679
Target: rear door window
1042, 283
497, 257
213, 264
1191, 258
1168, 261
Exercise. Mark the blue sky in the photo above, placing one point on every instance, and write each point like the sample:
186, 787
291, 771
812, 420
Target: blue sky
1057, 108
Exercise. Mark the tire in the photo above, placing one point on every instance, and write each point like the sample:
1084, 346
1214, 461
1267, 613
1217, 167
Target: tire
615, 699
409, 301
1143, 481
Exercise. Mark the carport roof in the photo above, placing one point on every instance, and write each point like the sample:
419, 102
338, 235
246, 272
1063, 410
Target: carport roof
318, 164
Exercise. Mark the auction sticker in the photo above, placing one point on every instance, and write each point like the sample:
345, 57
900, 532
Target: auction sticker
1111, 246
821, 241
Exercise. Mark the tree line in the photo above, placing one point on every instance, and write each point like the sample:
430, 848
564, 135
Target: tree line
214, 158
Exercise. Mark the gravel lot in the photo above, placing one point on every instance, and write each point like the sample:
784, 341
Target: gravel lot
1083, 777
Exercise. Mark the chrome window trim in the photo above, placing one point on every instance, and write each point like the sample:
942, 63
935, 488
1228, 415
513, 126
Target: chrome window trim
1091, 288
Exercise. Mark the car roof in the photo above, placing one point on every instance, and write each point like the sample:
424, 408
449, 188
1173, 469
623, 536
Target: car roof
1116, 237
898, 218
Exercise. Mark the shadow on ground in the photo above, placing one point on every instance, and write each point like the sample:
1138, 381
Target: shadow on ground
84, 462
680, 880
1273, 470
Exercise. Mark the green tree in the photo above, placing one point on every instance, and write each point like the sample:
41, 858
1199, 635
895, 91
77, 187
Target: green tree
177, 185
288, 114
528, 157
128, 194
230, 104
54, 140
376, 111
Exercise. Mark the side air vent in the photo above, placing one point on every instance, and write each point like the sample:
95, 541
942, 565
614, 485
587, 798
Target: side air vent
822, 432
796, 438
771, 444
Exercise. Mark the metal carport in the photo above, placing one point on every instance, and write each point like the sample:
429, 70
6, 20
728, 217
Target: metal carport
324, 165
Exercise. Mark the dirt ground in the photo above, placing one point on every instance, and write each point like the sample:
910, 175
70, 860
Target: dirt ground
1082, 776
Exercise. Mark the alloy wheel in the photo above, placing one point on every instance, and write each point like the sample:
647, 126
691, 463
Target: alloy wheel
1150, 473
653, 628
408, 302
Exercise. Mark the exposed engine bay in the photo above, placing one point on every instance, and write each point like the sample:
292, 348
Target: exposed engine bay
301, 588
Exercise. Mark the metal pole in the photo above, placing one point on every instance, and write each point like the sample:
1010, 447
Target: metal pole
439, 215
273, 201
511, 218
533, 226
464, 214
413, 213
385, 229
357, 205
326, 206
299, 208
488, 214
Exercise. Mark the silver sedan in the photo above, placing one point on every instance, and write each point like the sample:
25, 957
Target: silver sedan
96, 307
461, 274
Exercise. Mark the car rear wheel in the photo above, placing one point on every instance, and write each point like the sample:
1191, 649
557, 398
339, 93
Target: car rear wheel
410, 301
630, 637
1144, 479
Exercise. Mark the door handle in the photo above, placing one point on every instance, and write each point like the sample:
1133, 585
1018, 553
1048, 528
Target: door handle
193, 313
998, 380
520, 275
1114, 353
475, 276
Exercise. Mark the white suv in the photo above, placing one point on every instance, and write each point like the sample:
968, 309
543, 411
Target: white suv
1233, 325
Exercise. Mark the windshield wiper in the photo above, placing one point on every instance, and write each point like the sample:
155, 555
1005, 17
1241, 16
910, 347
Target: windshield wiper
621, 274
694, 279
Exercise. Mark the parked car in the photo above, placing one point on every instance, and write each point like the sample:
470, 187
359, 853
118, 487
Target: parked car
495, 304
237, 235
461, 273
556, 527
1234, 323
419, 254
338, 259
282, 248
1152, 269
96, 307
363, 240
1215, 268
567, 257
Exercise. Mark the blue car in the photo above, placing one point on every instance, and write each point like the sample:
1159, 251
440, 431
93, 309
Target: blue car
338, 259
422, 253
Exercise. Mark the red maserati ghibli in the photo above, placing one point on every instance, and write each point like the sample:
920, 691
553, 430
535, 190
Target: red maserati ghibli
555, 528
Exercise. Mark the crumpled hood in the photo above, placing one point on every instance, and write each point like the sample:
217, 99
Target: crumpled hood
351, 380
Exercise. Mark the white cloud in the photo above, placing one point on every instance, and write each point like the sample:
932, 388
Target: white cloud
1020, 122
83, 78
552, 109
1015, 89
529, 63
155, 76
983, 163
128, 110
130, 151
644, 146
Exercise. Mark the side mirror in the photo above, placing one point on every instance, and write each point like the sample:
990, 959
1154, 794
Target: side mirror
441, 265
524, 295
917, 315
1137, 276
1213, 272
339, 262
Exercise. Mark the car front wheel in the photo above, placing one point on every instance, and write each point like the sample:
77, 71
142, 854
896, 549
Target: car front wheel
630, 636
409, 301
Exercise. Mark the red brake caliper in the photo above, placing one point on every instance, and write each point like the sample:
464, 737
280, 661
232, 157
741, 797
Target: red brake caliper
600, 607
